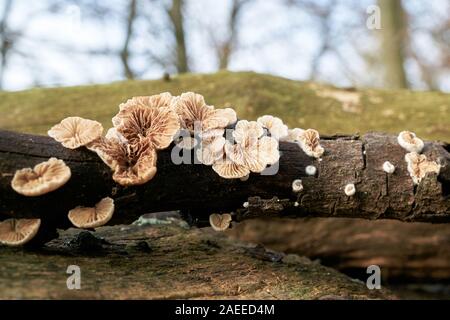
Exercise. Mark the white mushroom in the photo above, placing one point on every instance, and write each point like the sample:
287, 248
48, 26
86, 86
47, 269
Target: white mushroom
410, 142
350, 189
310, 170
245, 204
276, 127
419, 166
16, 232
220, 222
310, 143
84, 217
43, 178
388, 167
297, 185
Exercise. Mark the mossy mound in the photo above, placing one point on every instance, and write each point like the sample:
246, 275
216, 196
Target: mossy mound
300, 104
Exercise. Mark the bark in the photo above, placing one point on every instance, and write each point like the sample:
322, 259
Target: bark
197, 189
394, 37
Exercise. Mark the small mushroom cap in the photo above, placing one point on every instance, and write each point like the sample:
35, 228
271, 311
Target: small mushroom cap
294, 135
247, 129
310, 143
275, 125
310, 170
16, 232
83, 217
75, 132
350, 189
419, 166
297, 185
43, 178
220, 222
388, 167
410, 142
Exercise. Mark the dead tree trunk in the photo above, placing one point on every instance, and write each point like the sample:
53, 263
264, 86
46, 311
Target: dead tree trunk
199, 190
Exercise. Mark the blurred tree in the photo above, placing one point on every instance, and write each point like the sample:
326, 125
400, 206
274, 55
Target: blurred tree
394, 41
7, 38
175, 13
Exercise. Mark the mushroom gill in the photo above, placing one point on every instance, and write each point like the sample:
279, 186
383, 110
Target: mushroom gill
132, 164
85, 217
75, 132
310, 143
43, 178
16, 232
276, 127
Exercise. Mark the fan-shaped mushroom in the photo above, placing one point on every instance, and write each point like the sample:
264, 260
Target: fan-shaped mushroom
350, 189
310, 143
133, 164
193, 110
16, 232
276, 127
84, 217
408, 141
43, 178
220, 222
156, 124
419, 166
75, 132
293, 135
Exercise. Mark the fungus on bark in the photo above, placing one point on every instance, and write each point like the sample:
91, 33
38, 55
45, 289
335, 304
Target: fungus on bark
75, 132
45, 177
276, 127
310, 143
310, 170
297, 186
419, 166
132, 164
294, 135
84, 217
350, 189
388, 167
17, 232
220, 222
410, 142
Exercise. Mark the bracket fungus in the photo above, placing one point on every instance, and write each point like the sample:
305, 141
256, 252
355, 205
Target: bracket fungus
192, 110
350, 190
293, 135
75, 132
17, 232
220, 222
84, 217
45, 177
410, 142
310, 143
139, 119
132, 164
388, 167
276, 127
297, 186
419, 166
253, 152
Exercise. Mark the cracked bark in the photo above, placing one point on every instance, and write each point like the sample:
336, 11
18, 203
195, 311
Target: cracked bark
197, 189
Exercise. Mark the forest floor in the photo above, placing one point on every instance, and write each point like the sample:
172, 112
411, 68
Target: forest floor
169, 261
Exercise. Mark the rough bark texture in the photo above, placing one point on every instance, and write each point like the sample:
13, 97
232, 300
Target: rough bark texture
169, 262
199, 190
414, 252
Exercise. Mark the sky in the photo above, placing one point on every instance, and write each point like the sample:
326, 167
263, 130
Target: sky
273, 39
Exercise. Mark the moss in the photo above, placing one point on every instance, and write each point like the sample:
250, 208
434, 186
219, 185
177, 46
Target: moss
301, 104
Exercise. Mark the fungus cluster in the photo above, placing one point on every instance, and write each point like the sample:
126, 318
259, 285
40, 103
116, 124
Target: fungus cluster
417, 164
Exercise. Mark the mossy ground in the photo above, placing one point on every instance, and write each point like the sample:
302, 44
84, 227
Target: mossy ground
302, 104
176, 264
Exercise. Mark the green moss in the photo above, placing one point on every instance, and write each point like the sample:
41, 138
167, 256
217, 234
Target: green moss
301, 104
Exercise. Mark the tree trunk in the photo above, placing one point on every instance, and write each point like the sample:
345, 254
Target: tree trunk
176, 17
394, 37
197, 189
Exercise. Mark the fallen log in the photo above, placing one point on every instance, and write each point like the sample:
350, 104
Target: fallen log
200, 191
